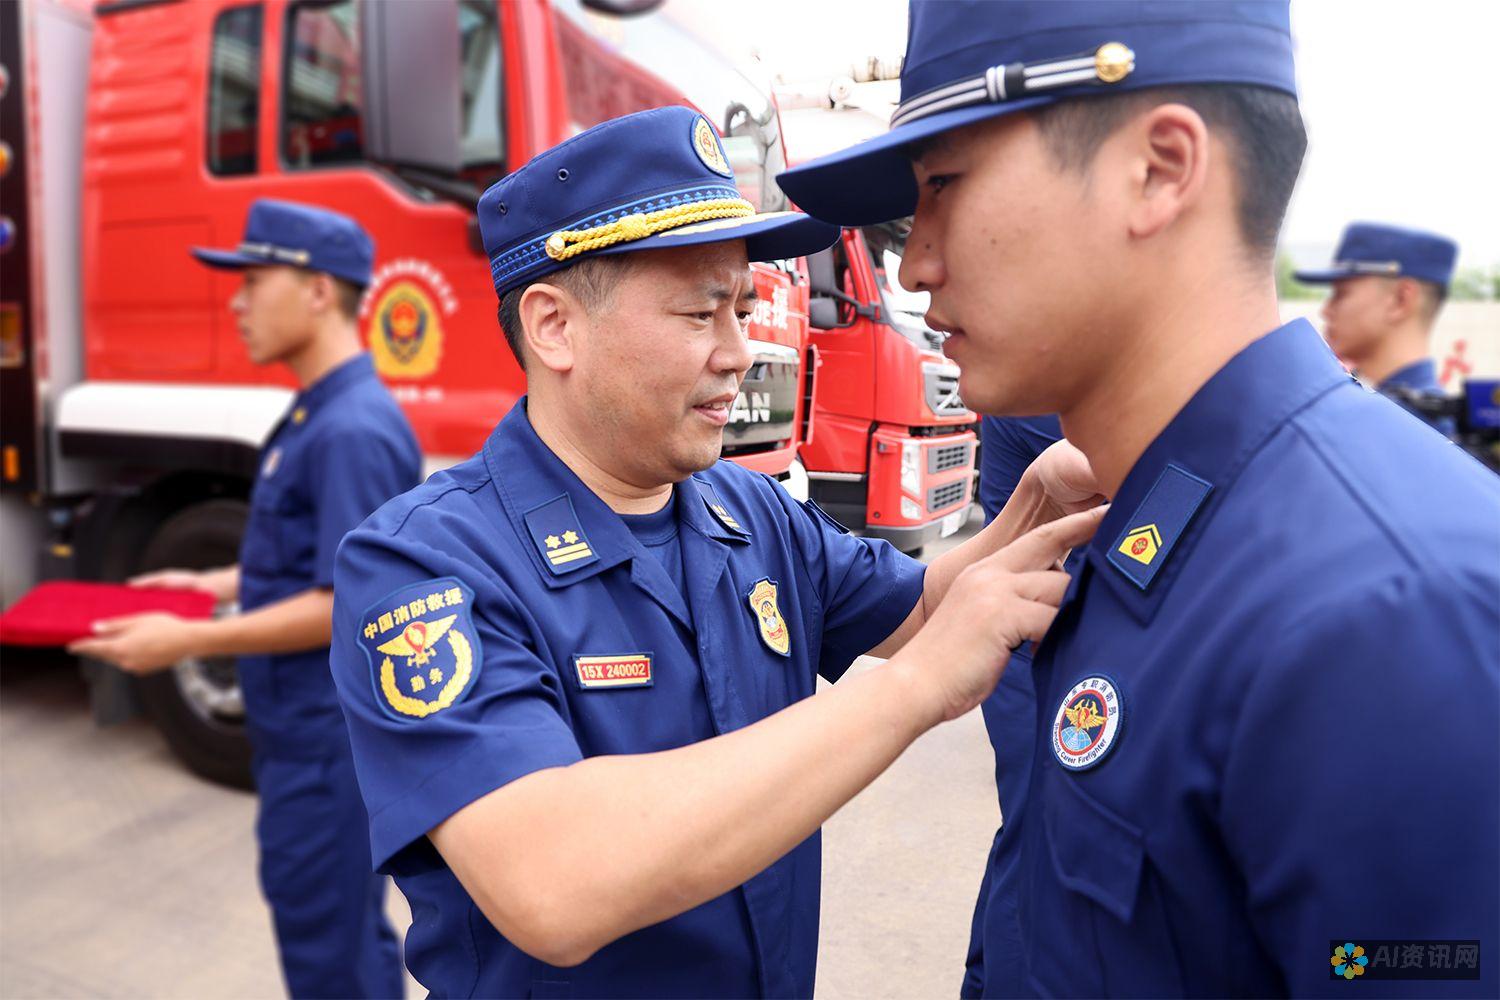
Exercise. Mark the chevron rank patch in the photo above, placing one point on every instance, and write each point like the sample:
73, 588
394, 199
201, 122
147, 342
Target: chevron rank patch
619, 671
1149, 536
716, 506
423, 651
558, 536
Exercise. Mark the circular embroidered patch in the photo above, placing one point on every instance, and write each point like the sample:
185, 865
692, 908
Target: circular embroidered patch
1088, 723
706, 145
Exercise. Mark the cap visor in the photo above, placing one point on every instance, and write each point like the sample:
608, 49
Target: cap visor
1325, 277
228, 259
872, 181
769, 236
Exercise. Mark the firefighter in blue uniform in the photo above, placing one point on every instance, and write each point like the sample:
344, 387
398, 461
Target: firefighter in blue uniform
577, 668
342, 449
1389, 284
1256, 748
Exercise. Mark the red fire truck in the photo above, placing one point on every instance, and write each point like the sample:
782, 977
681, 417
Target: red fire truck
137, 128
896, 449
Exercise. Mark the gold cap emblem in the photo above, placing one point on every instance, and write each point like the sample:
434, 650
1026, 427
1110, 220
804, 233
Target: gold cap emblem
1113, 62
706, 145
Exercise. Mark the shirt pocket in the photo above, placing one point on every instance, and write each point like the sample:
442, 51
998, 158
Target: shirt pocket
1097, 924
260, 547
283, 530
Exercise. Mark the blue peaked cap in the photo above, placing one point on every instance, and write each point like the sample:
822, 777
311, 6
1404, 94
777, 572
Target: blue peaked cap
650, 180
1372, 248
297, 235
970, 60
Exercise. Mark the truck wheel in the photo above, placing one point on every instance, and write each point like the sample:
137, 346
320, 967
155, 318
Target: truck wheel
197, 704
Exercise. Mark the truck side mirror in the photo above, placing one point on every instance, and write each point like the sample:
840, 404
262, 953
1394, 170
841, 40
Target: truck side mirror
411, 105
823, 313
822, 277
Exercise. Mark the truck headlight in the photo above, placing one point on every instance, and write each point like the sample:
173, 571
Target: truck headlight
910, 509
911, 470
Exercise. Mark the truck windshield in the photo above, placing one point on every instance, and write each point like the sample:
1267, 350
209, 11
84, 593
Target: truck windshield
616, 65
903, 310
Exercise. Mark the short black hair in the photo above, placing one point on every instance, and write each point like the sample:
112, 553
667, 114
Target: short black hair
347, 295
1433, 297
1264, 128
350, 296
592, 281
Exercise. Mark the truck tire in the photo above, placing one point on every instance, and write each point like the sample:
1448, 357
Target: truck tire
197, 704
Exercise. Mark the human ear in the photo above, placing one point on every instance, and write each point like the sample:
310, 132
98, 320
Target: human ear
551, 320
1170, 154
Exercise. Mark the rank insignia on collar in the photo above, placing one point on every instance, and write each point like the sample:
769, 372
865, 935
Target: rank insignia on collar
1141, 544
773, 630
1087, 724
565, 547
422, 647
558, 536
716, 506
272, 463
726, 517
1141, 550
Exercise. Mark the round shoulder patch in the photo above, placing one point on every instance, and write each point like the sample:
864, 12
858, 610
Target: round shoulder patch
706, 145
1088, 723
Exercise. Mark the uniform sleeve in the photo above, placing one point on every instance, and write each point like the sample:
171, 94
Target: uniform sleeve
867, 586
1007, 446
352, 477
1362, 793
419, 765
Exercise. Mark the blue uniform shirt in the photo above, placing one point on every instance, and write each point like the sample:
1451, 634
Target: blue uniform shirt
1419, 376
1265, 707
551, 634
343, 448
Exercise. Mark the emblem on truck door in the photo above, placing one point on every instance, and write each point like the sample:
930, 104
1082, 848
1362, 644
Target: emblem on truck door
403, 315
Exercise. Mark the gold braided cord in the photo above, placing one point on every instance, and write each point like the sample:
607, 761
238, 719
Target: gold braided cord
572, 242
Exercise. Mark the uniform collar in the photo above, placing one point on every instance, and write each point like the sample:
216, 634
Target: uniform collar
336, 381
544, 500
1417, 375
1182, 477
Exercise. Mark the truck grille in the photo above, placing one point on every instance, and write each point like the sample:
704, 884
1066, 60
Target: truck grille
948, 456
947, 495
940, 386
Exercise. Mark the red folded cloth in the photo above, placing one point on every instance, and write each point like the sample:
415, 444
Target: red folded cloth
59, 611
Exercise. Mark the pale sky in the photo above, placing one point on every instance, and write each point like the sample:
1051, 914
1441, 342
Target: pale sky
1401, 99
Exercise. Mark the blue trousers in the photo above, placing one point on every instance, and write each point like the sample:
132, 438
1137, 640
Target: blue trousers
315, 871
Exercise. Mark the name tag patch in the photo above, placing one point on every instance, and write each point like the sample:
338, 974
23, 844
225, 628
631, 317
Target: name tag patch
623, 670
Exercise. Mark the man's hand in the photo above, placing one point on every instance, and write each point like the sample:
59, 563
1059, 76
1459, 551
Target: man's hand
992, 606
1066, 480
140, 644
